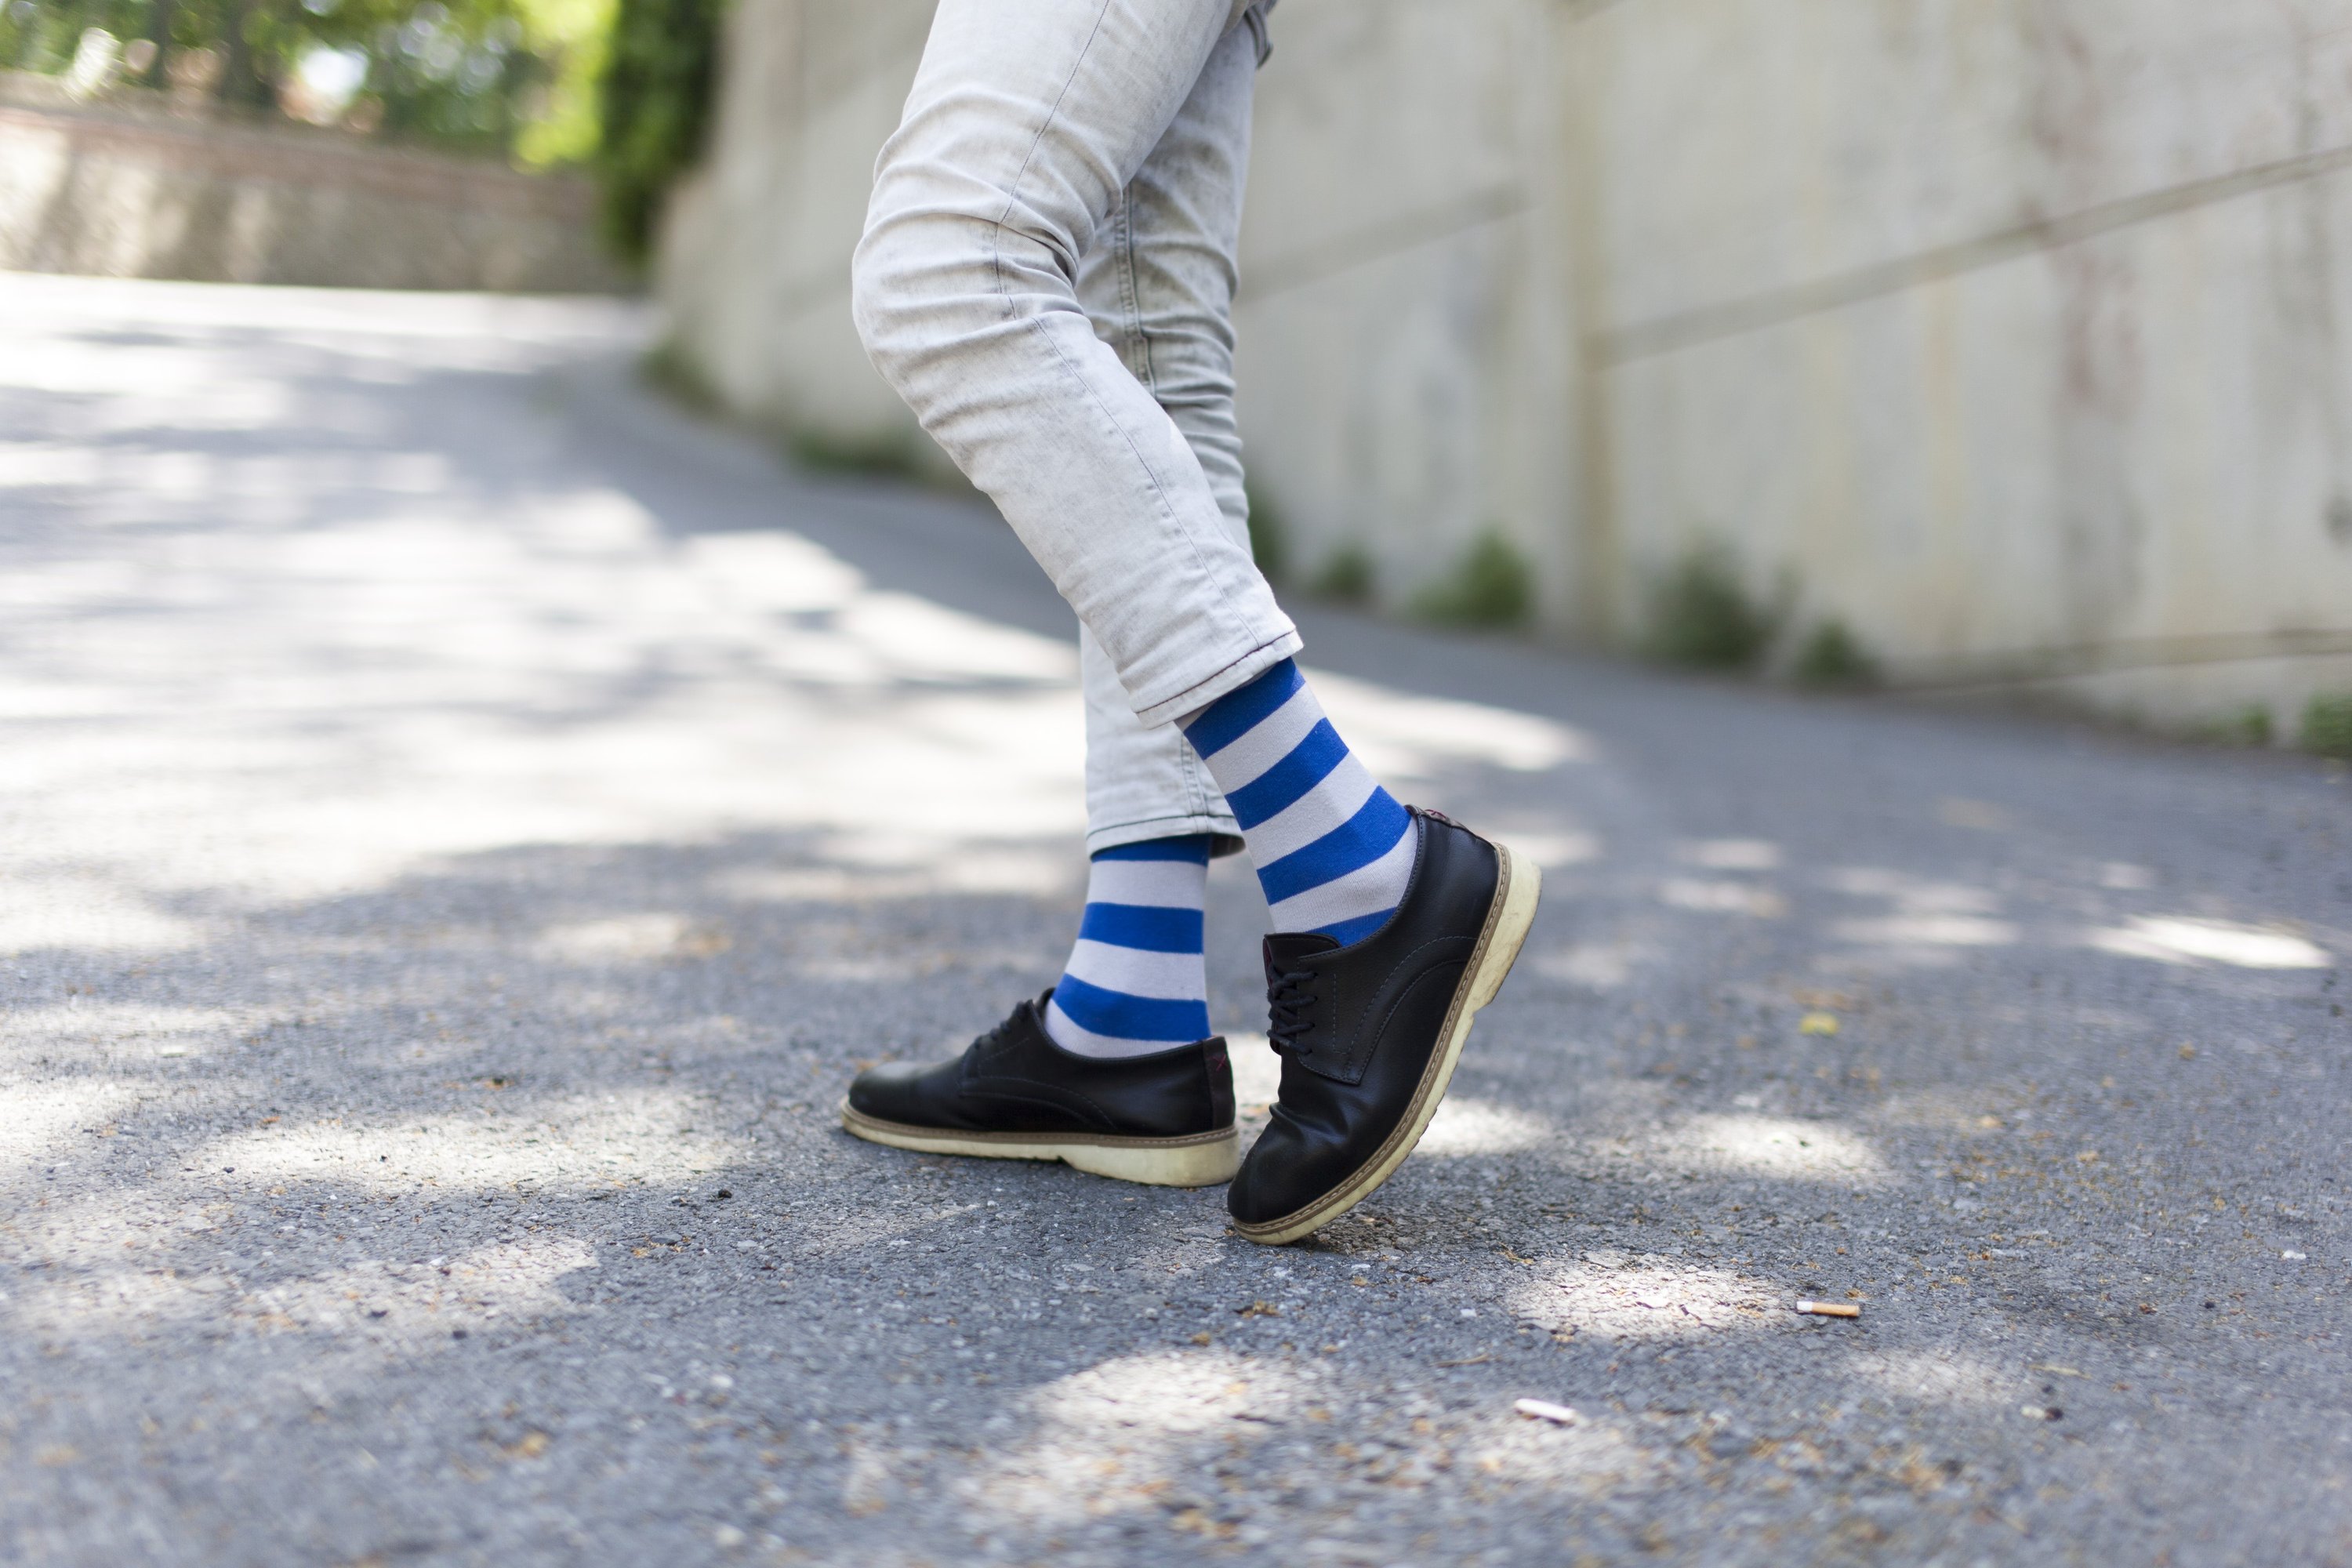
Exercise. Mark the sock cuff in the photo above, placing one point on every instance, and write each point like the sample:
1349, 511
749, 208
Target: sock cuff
1333, 850
1192, 849
1242, 710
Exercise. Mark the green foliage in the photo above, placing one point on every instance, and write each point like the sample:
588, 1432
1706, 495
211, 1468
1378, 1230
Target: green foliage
1492, 586
1269, 538
668, 368
2327, 724
661, 71
2249, 726
572, 36
41, 35
625, 85
893, 456
1348, 576
1702, 614
453, 74
469, 74
1833, 656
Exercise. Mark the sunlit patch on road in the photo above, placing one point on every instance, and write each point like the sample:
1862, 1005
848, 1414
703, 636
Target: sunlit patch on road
120, 1030
1107, 1439
1739, 1144
1719, 898
46, 1120
646, 938
1927, 931
2183, 941
80, 911
415, 1302
1617, 1297
1598, 965
648, 1134
1941, 1376
1410, 739
1731, 853
1466, 1126
1551, 850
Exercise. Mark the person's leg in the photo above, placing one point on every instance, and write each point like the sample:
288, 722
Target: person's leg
1025, 127
1143, 782
1160, 280
1333, 850
1158, 286
1022, 135
1331, 846
1136, 982
989, 355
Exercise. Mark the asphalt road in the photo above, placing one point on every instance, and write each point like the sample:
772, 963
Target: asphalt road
461, 823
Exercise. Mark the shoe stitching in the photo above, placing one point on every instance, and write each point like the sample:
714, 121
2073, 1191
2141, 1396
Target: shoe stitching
1053, 1095
1362, 1019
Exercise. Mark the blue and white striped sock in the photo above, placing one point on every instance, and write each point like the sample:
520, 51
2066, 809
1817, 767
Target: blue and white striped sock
1136, 982
1333, 850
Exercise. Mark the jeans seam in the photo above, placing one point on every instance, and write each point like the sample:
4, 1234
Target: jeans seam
1012, 186
1194, 772
1159, 487
1130, 291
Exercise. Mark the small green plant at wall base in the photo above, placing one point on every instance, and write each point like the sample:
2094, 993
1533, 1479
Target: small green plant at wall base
1493, 586
1269, 538
1702, 614
1348, 576
2327, 724
888, 457
2249, 726
1833, 656
667, 369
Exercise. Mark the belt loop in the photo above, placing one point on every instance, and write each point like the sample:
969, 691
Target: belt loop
1254, 15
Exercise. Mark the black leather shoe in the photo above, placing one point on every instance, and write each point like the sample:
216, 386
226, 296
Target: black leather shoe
1369, 1035
1166, 1119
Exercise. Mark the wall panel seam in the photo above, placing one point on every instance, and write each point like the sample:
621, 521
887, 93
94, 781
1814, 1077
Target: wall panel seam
1776, 307
1317, 263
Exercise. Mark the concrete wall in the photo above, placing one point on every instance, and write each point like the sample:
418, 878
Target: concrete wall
121, 189
2011, 333
754, 270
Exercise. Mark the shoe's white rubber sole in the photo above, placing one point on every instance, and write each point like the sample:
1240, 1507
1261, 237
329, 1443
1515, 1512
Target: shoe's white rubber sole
1203, 1160
1507, 919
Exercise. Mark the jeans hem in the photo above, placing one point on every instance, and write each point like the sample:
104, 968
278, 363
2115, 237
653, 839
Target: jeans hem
1219, 827
1232, 678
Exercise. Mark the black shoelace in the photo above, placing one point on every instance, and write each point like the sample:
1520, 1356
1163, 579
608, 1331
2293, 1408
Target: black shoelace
986, 1043
1289, 1003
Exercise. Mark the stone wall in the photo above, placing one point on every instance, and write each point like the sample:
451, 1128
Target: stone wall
2012, 336
127, 189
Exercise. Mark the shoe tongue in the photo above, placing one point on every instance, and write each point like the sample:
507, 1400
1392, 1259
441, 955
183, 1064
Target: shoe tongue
1029, 1015
1027, 1018
1286, 948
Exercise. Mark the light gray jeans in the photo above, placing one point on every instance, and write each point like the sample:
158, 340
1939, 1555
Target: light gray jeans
1047, 277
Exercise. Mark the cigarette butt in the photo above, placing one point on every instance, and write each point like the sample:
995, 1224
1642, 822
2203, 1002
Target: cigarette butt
1545, 1410
1830, 1308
